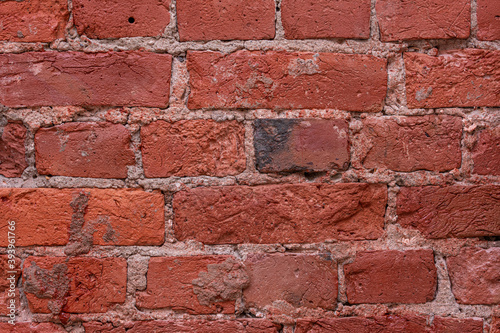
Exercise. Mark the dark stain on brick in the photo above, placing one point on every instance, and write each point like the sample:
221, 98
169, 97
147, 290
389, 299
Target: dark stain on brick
80, 236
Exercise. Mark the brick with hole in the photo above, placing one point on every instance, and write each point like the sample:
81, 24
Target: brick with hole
82, 217
459, 78
423, 19
97, 150
33, 20
290, 145
488, 20
298, 213
225, 19
196, 285
300, 280
128, 78
121, 18
193, 148
486, 152
450, 211
475, 275
391, 277
411, 143
284, 80
12, 151
74, 285
303, 19
21, 327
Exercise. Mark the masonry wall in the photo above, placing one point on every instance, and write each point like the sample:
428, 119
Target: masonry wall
250, 166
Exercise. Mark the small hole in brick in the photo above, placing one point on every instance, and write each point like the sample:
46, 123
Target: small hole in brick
314, 175
131, 20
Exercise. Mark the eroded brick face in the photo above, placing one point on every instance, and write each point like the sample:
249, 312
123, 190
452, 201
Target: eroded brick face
12, 151
488, 22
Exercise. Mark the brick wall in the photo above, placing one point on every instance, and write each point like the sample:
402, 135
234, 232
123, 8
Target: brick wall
250, 166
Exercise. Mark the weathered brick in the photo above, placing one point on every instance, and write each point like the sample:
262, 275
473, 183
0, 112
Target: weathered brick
73, 78
475, 275
462, 78
301, 280
176, 290
99, 150
391, 277
301, 213
12, 152
49, 217
488, 20
288, 145
225, 19
451, 211
423, 19
389, 324
412, 143
97, 327
20, 327
495, 325
205, 326
121, 18
33, 20
193, 148
282, 80
74, 285
486, 153
10, 271
304, 19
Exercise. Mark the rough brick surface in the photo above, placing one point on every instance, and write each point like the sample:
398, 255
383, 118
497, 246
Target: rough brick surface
423, 19
119, 18
98, 327
193, 148
488, 20
280, 213
475, 275
391, 277
495, 325
288, 145
225, 19
451, 211
412, 143
99, 150
74, 285
281, 80
194, 326
300, 280
82, 216
12, 151
486, 153
8, 265
175, 290
71, 78
304, 19
389, 324
33, 20
463, 78
31, 327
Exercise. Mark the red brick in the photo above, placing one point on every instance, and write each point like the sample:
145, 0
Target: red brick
175, 289
124, 18
475, 275
391, 277
33, 20
97, 327
74, 285
486, 153
282, 80
488, 20
495, 325
412, 143
7, 298
6, 267
389, 324
99, 150
225, 19
303, 19
288, 145
451, 211
461, 78
193, 148
423, 19
300, 280
72, 78
12, 152
50, 217
205, 326
302, 213
30, 327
